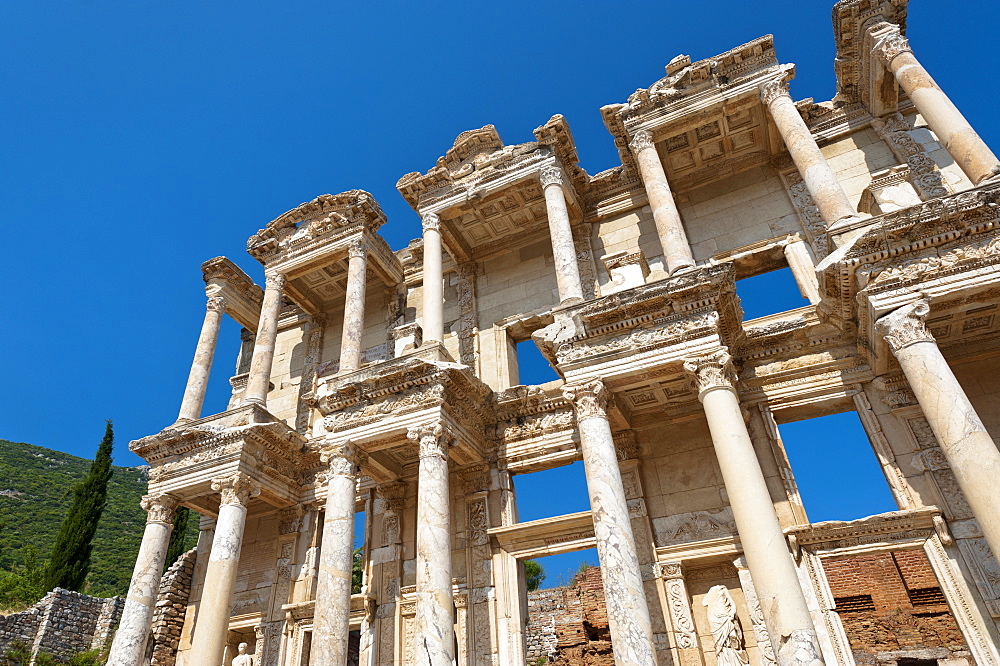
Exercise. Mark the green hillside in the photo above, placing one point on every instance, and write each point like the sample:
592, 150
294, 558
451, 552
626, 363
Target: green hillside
35, 493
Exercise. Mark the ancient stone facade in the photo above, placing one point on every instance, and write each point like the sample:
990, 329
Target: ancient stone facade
63, 624
387, 381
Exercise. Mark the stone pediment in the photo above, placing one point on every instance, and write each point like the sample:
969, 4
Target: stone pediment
471, 147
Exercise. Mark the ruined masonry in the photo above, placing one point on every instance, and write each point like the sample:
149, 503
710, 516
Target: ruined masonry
387, 382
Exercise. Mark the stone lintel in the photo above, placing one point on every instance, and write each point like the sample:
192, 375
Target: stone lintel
243, 297
548, 536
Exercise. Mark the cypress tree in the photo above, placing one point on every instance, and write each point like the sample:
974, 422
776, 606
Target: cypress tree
176, 546
70, 562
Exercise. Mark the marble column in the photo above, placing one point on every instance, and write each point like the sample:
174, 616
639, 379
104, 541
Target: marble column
625, 597
669, 228
819, 179
435, 611
962, 142
332, 617
354, 306
960, 432
259, 379
129, 645
204, 353
212, 623
433, 287
804, 269
561, 235
764, 547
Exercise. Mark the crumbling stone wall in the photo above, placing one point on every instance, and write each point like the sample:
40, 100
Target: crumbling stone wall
63, 624
891, 605
568, 626
168, 615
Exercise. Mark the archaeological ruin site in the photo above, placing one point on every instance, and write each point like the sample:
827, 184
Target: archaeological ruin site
387, 382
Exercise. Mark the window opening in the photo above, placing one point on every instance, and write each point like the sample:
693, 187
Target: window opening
769, 293
228, 347
551, 492
532, 367
835, 468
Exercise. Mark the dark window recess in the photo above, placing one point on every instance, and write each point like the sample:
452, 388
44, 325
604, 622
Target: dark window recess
912, 661
927, 596
859, 603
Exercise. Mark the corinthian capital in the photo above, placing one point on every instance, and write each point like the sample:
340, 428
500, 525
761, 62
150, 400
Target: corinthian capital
236, 489
433, 438
906, 326
344, 458
891, 45
430, 221
159, 508
216, 304
551, 175
773, 89
358, 249
393, 493
711, 372
274, 280
590, 399
641, 140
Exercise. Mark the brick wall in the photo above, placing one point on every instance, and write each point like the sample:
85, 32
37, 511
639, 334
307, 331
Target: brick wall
568, 626
891, 602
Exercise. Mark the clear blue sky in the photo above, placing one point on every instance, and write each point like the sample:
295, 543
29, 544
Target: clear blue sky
141, 138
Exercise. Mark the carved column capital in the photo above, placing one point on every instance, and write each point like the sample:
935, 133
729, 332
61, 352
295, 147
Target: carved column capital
236, 489
475, 479
393, 493
590, 399
641, 140
711, 372
551, 175
668, 570
216, 304
159, 508
434, 439
358, 249
274, 280
906, 325
430, 221
344, 458
626, 445
891, 45
773, 89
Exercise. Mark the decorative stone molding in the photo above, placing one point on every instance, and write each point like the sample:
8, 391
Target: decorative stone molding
551, 175
924, 172
159, 508
890, 46
358, 249
274, 280
711, 372
476, 479
772, 90
433, 438
430, 222
236, 489
393, 494
641, 140
216, 304
626, 445
344, 458
589, 400
906, 326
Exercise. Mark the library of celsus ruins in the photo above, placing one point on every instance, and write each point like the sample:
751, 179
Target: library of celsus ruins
386, 384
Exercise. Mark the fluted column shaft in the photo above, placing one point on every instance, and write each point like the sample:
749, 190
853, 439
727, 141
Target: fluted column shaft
960, 433
628, 613
259, 380
822, 183
129, 645
204, 354
435, 612
962, 142
354, 307
561, 236
212, 624
669, 228
433, 288
768, 558
332, 617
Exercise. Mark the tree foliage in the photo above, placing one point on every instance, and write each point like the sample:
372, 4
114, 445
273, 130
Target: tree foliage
357, 570
534, 574
71, 555
178, 537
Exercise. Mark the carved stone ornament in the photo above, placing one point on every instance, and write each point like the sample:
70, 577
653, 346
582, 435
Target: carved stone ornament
906, 326
772, 90
590, 399
344, 458
432, 438
711, 372
551, 175
274, 281
891, 46
236, 489
159, 508
358, 249
393, 494
216, 304
430, 221
642, 140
